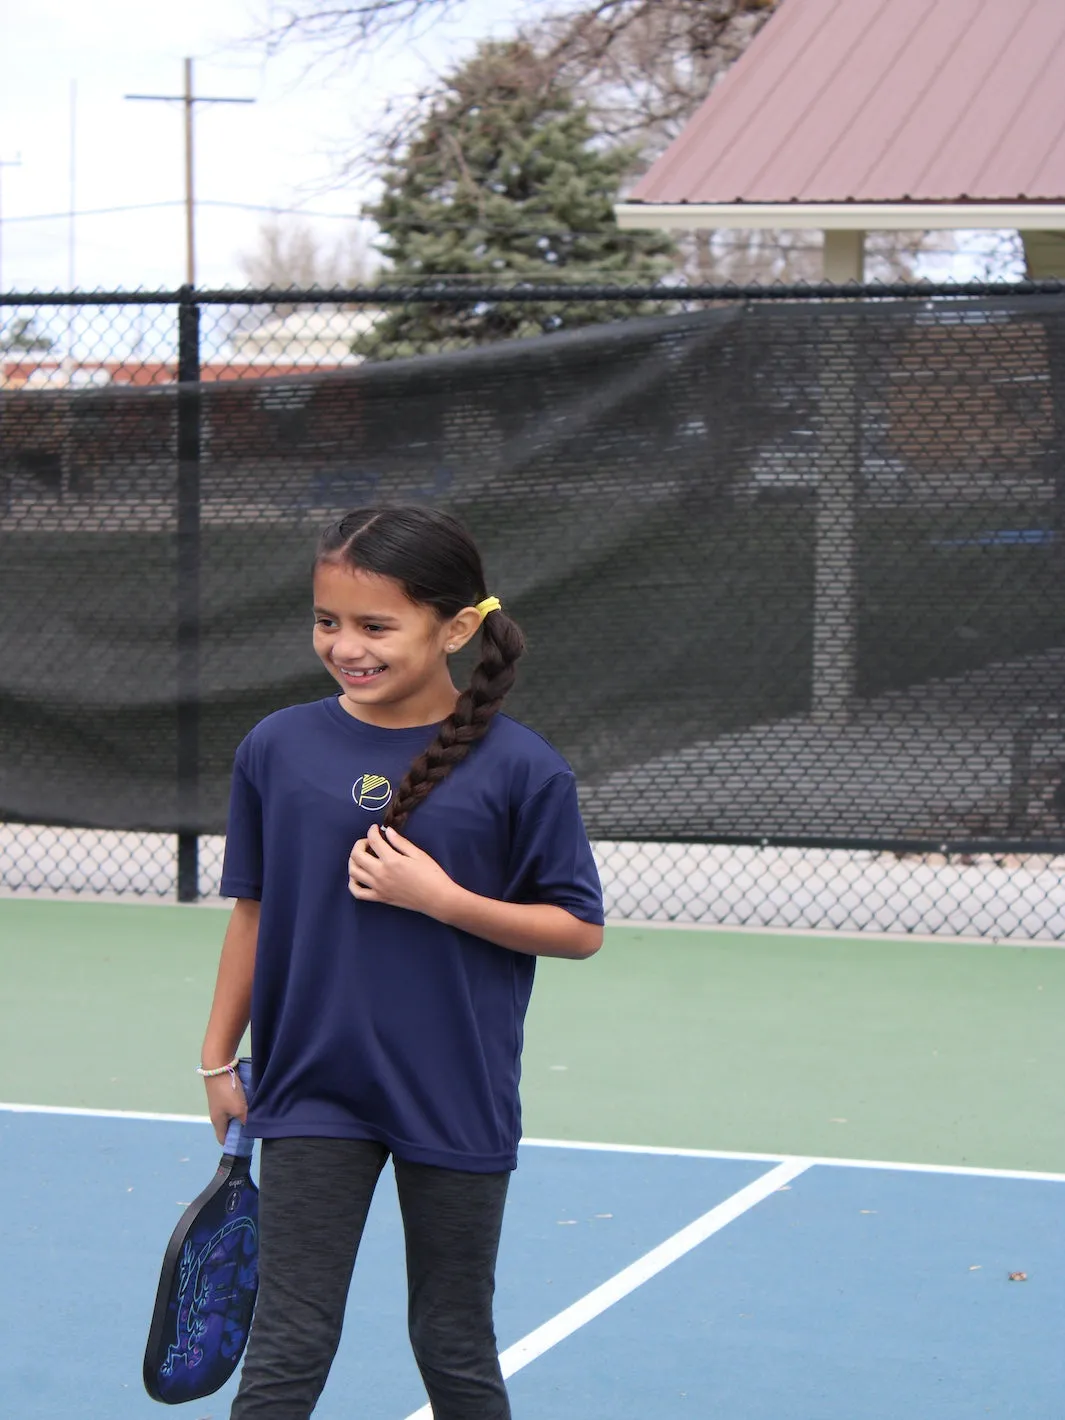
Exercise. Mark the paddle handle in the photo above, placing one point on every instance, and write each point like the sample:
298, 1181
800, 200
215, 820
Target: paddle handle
238, 1143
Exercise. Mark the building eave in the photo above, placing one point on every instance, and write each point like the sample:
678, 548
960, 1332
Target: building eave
844, 216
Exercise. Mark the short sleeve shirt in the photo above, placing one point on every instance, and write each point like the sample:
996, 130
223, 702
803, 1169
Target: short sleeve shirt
371, 1021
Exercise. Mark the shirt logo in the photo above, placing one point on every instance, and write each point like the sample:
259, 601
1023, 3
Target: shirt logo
372, 791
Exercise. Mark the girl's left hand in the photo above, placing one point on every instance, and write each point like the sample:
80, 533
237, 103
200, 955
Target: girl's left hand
386, 867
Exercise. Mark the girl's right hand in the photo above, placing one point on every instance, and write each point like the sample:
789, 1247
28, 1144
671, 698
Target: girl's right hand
225, 1101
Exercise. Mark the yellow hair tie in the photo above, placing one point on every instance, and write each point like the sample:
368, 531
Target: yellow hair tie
489, 604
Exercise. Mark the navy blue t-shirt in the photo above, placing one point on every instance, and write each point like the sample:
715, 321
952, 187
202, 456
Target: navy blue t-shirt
375, 1022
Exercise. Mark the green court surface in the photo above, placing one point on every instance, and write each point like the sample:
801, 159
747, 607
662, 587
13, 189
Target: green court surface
931, 1052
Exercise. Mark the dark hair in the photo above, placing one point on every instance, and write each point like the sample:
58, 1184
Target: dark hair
436, 562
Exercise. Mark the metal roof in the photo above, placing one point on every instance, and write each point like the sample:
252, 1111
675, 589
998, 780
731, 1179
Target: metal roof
894, 101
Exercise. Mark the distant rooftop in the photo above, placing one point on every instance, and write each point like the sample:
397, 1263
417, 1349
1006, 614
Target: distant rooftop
881, 101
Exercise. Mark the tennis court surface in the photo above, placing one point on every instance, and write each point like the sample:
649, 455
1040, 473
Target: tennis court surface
814, 1166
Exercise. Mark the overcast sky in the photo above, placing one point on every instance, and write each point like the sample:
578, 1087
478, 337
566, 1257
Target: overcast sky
278, 152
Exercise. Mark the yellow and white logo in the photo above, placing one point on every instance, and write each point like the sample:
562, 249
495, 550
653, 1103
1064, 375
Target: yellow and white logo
372, 792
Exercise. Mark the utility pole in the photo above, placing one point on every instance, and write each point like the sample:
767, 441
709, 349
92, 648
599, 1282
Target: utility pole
15, 162
72, 312
189, 99
73, 182
189, 447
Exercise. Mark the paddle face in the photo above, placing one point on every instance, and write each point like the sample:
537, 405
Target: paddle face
207, 1285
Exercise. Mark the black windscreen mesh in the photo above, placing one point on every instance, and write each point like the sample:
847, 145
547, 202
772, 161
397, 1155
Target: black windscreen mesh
788, 570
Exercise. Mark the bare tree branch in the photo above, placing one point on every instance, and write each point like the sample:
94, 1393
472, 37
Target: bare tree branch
584, 32
641, 68
340, 28
291, 253
644, 66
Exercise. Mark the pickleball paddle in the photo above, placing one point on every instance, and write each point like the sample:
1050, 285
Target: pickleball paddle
209, 1278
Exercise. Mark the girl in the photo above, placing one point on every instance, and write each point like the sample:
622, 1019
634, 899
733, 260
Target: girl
387, 983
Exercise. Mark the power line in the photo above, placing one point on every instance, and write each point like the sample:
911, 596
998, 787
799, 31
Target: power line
6, 163
179, 202
89, 212
421, 225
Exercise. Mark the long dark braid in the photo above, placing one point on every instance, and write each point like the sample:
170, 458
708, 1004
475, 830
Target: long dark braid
437, 563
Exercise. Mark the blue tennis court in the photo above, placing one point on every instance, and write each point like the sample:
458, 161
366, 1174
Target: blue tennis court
633, 1284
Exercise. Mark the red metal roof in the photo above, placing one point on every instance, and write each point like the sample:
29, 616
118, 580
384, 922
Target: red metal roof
881, 101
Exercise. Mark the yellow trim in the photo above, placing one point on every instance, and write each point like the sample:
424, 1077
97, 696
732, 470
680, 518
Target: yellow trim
489, 604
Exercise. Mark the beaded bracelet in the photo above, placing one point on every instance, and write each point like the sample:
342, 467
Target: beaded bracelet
230, 1070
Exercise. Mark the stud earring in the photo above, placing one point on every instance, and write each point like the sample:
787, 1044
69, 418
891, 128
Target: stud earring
450, 648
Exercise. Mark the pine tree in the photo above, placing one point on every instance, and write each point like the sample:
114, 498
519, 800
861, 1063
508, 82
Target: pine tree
503, 180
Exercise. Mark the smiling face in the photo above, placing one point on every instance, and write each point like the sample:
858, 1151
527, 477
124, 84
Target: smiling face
387, 653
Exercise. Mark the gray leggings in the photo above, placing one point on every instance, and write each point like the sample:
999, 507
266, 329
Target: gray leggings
315, 1197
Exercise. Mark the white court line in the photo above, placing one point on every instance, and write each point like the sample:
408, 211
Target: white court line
104, 1113
810, 1160
825, 932
593, 1303
828, 933
92, 896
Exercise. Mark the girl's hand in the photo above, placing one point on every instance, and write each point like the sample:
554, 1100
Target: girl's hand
225, 1103
386, 867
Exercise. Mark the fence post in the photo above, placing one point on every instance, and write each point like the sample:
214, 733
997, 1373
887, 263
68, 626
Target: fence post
1020, 786
835, 638
1055, 453
188, 596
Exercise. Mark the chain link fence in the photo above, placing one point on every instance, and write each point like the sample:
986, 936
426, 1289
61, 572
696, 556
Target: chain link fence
998, 897
958, 412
